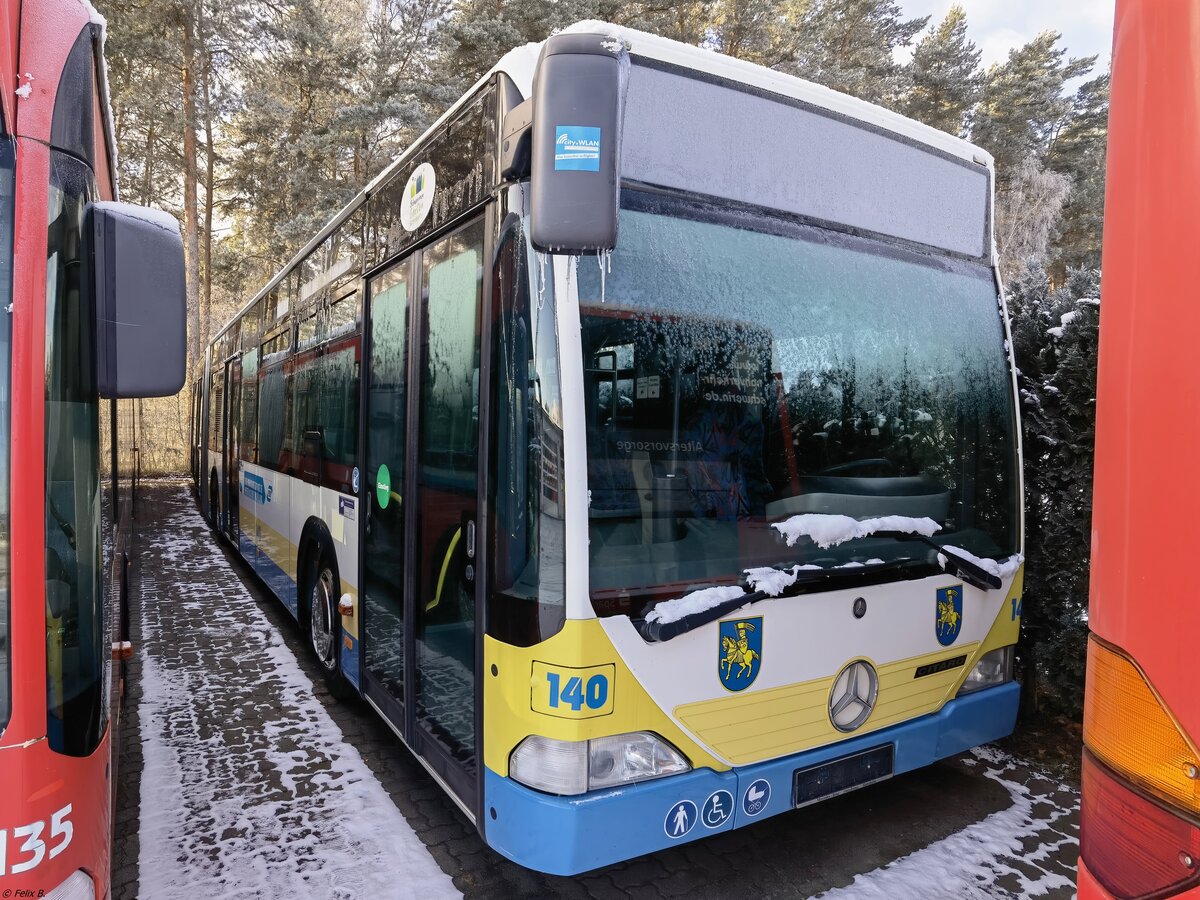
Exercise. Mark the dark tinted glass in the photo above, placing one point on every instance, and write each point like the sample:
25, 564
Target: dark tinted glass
527, 601
76, 656
272, 413
463, 156
386, 456
736, 376
248, 424
447, 474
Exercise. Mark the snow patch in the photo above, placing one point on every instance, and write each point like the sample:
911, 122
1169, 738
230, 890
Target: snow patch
695, 602
1063, 321
1000, 568
288, 810
830, 530
772, 581
967, 864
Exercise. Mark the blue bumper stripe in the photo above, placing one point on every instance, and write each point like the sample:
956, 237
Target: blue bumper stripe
568, 835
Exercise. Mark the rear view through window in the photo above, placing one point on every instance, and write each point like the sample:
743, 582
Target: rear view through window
735, 378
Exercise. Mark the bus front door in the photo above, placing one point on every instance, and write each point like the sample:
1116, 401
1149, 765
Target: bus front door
422, 459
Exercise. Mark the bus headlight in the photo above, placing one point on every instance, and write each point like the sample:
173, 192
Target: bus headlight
78, 887
574, 767
994, 667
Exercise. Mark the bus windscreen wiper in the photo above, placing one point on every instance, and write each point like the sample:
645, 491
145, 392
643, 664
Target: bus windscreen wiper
952, 562
657, 631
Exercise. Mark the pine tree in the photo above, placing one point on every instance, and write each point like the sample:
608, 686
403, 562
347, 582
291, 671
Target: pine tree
688, 21
1024, 104
1078, 152
1055, 338
481, 31
1029, 215
754, 30
945, 75
292, 160
849, 45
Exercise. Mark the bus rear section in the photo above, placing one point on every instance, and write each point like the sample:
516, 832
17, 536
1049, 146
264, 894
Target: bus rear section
1140, 812
756, 525
68, 371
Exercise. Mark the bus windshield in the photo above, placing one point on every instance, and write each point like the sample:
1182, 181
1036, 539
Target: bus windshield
7, 181
740, 370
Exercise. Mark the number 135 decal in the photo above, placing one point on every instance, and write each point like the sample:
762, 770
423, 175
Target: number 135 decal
31, 845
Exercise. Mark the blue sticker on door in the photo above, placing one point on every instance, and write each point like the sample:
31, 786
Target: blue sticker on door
576, 148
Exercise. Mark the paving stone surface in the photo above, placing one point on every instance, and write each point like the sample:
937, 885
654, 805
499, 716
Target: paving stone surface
258, 754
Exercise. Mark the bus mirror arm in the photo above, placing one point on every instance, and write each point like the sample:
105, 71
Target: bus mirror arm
516, 138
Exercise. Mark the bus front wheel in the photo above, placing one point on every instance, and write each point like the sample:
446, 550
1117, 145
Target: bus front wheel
324, 621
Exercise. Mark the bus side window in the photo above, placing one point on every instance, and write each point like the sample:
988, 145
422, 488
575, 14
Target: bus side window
527, 600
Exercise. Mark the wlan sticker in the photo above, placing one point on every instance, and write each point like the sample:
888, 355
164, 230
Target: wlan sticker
576, 148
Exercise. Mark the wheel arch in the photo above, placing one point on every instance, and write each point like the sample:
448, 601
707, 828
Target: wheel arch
314, 538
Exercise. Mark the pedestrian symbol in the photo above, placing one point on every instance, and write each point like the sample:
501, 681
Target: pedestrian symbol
681, 818
717, 809
757, 796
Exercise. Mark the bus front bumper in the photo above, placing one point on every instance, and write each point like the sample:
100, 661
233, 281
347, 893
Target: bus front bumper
569, 835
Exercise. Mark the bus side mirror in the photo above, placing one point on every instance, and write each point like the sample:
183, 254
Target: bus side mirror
578, 110
133, 258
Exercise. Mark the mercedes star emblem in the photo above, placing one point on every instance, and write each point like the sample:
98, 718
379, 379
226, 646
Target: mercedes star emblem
853, 695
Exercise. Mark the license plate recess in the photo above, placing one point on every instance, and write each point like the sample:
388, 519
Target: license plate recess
839, 776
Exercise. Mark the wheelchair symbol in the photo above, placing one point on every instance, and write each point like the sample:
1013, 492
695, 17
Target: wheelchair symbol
717, 809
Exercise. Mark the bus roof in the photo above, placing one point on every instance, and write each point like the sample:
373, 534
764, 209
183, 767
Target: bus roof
727, 68
520, 63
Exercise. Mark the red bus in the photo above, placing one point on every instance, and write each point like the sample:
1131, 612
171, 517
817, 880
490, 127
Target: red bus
89, 288
1140, 817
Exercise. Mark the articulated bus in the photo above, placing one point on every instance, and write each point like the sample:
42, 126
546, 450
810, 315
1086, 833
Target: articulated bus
1140, 813
77, 301
641, 444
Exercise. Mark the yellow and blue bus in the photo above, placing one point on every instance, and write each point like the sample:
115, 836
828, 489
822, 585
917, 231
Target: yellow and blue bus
642, 446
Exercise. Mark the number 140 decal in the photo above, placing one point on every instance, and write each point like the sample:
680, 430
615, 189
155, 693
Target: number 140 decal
569, 693
28, 849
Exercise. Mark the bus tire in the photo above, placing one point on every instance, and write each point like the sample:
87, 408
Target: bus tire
323, 624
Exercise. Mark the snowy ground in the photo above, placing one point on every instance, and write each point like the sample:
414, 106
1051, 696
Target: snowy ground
1018, 850
242, 777
248, 787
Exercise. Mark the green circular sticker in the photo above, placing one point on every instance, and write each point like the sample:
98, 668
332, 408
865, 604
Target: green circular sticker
383, 487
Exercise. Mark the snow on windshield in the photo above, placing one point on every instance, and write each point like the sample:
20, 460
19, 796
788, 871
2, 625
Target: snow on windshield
830, 530
695, 602
1000, 568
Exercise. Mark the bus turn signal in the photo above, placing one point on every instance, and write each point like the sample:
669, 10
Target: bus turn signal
1129, 729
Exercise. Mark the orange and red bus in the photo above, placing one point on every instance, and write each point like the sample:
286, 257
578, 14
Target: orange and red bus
88, 286
1140, 817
